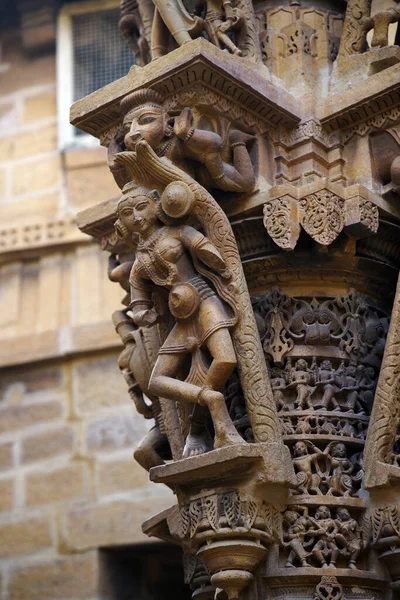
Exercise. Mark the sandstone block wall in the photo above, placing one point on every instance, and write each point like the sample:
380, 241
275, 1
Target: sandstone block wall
68, 483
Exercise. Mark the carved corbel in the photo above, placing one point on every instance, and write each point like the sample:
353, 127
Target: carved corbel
322, 216
281, 220
361, 217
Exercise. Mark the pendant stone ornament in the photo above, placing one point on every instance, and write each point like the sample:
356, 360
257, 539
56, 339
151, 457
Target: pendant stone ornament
256, 237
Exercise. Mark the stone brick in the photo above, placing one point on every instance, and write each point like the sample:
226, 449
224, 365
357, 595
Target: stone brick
6, 456
25, 536
31, 380
114, 476
114, 432
110, 524
27, 210
56, 485
28, 144
90, 182
47, 444
26, 71
72, 577
36, 175
41, 106
99, 384
19, 417
6, 497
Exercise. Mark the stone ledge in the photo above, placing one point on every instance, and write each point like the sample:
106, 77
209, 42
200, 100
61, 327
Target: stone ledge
197, 61
229, 464
36, 237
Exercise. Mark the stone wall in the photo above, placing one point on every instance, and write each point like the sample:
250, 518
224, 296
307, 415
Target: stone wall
68, 483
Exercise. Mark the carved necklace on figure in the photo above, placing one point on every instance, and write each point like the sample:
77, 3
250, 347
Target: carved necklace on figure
160, 271
165, 149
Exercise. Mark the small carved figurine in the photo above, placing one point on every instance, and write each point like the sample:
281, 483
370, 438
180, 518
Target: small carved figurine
328, 381
299, 536
146, 118
301, 381
221, 17
349, 536
351, 385
165, 257
306, 466
278, 384
343, 478
325, 552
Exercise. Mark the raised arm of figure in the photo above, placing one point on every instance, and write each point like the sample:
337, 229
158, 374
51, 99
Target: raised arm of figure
204, 250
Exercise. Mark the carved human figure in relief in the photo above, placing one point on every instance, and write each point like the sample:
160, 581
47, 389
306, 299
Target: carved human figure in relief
306, 467
351, 385
298, 537
349, 537
326, 552
344, 475
146, 118
166, 257
301, 381
278, 384
327, 380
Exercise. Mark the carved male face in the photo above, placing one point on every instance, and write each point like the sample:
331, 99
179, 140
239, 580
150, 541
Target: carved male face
326, 365
301, 365
147, 123
291, 517
138, 214
339, 451
343, 514
300, 449
323, 513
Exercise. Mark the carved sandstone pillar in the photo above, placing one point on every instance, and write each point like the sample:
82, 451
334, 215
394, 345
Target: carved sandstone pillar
256, 238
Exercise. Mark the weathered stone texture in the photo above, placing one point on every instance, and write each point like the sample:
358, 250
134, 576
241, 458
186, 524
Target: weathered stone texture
47, 445
119, 474
60, 579
7, 491
111, 523
109, 391
25, 536
57, 485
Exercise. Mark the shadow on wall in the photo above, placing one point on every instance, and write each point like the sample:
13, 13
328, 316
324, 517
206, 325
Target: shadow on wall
142, 572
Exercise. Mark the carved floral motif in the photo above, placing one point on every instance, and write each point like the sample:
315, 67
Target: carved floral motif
322, 216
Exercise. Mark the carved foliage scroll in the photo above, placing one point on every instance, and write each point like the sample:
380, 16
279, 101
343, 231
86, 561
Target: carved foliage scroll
382, 441
322, 216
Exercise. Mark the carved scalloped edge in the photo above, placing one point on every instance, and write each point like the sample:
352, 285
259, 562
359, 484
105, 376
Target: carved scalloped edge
323, 211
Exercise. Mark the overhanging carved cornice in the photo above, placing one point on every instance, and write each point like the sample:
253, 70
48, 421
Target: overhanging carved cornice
198, 62
365, 104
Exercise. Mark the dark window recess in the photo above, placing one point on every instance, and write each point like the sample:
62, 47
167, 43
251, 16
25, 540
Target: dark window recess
142, 572
100, 55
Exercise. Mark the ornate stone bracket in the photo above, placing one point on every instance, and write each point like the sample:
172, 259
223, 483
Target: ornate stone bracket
322, 211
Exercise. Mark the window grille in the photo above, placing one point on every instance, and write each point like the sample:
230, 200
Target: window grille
90, 54
99, 52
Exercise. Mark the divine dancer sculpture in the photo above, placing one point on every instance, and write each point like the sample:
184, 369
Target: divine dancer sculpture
165, 257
